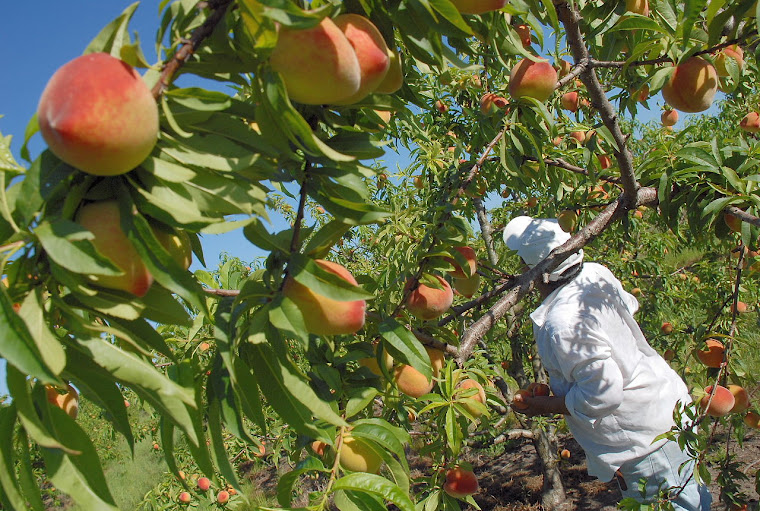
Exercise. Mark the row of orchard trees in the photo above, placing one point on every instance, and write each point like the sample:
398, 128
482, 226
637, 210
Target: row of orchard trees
97, 230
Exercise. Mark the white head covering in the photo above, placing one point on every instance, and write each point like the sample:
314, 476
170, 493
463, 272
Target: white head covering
535, 238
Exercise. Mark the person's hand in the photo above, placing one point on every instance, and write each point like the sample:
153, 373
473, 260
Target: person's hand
523, 402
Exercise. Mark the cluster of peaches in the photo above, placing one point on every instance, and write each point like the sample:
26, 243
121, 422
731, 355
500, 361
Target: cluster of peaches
98, 115
204, 485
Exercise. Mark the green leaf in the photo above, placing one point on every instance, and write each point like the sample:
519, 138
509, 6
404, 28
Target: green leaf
27, 479
18, 346
357, 501
358, 399
322, 241
286, 390
114, 35
374, 484
63, 241
287, 317
8, 481
218, 450
307, 272
49, 347
7, 161
404, 346
162, 307
288, 480
80, 476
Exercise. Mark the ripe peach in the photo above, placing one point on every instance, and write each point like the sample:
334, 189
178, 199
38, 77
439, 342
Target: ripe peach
637, 7
752, 420
323, 315
564, 454
478, 6
642, 94
318, 64
750, 122
98, 115
103, 220
480, 396
568, 220
692, 85
460, 483
371, 363
569, 101
638, 214
426, 302
668, 355
669, 117
371, 51
518, 401
394, 78
636, 291
204, 483
437, 360
467, 287
68, 402
579, 136
472, 261
730, 52
532, 79
538, 389
740, 307
741, 398
411, 382
357, 456
605, 161
441, 106
487, 106
711, 353
523, 31
318, 447
184, 497
532, 202
733, 222
222, 497
722, 403
667, 328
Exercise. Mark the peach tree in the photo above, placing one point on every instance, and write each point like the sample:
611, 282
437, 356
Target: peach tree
533, 101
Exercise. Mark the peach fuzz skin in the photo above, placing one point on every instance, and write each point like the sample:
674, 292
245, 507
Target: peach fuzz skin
98, 115
323, 315
371, 51
103, 219
532, 79
460, 483
318, 64
426, 302
692, 86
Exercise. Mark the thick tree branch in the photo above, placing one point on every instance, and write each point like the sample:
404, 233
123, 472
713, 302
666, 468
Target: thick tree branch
524, 283
570, 18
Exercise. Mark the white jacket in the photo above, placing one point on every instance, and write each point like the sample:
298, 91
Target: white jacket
619, 391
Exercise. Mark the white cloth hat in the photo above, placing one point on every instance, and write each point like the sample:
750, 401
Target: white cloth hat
535, 238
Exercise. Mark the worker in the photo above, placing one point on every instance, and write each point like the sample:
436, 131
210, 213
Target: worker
617, 393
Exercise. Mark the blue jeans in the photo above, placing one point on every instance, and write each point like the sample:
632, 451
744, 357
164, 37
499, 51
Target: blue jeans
662, 466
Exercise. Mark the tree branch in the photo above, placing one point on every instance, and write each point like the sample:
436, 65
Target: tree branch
218, 9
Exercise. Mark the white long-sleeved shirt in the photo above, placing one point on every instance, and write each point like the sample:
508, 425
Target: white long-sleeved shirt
620, 393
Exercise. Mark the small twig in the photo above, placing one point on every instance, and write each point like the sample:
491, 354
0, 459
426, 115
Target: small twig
222, 292
219, 7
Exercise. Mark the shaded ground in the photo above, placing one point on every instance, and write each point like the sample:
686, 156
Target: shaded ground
512, 480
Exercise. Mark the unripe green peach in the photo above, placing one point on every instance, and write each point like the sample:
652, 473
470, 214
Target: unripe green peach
692, 86
532, 79
103, 220
568, 220
371, 51
467, 287
98, 115
318, 64
637, 7
323, 315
